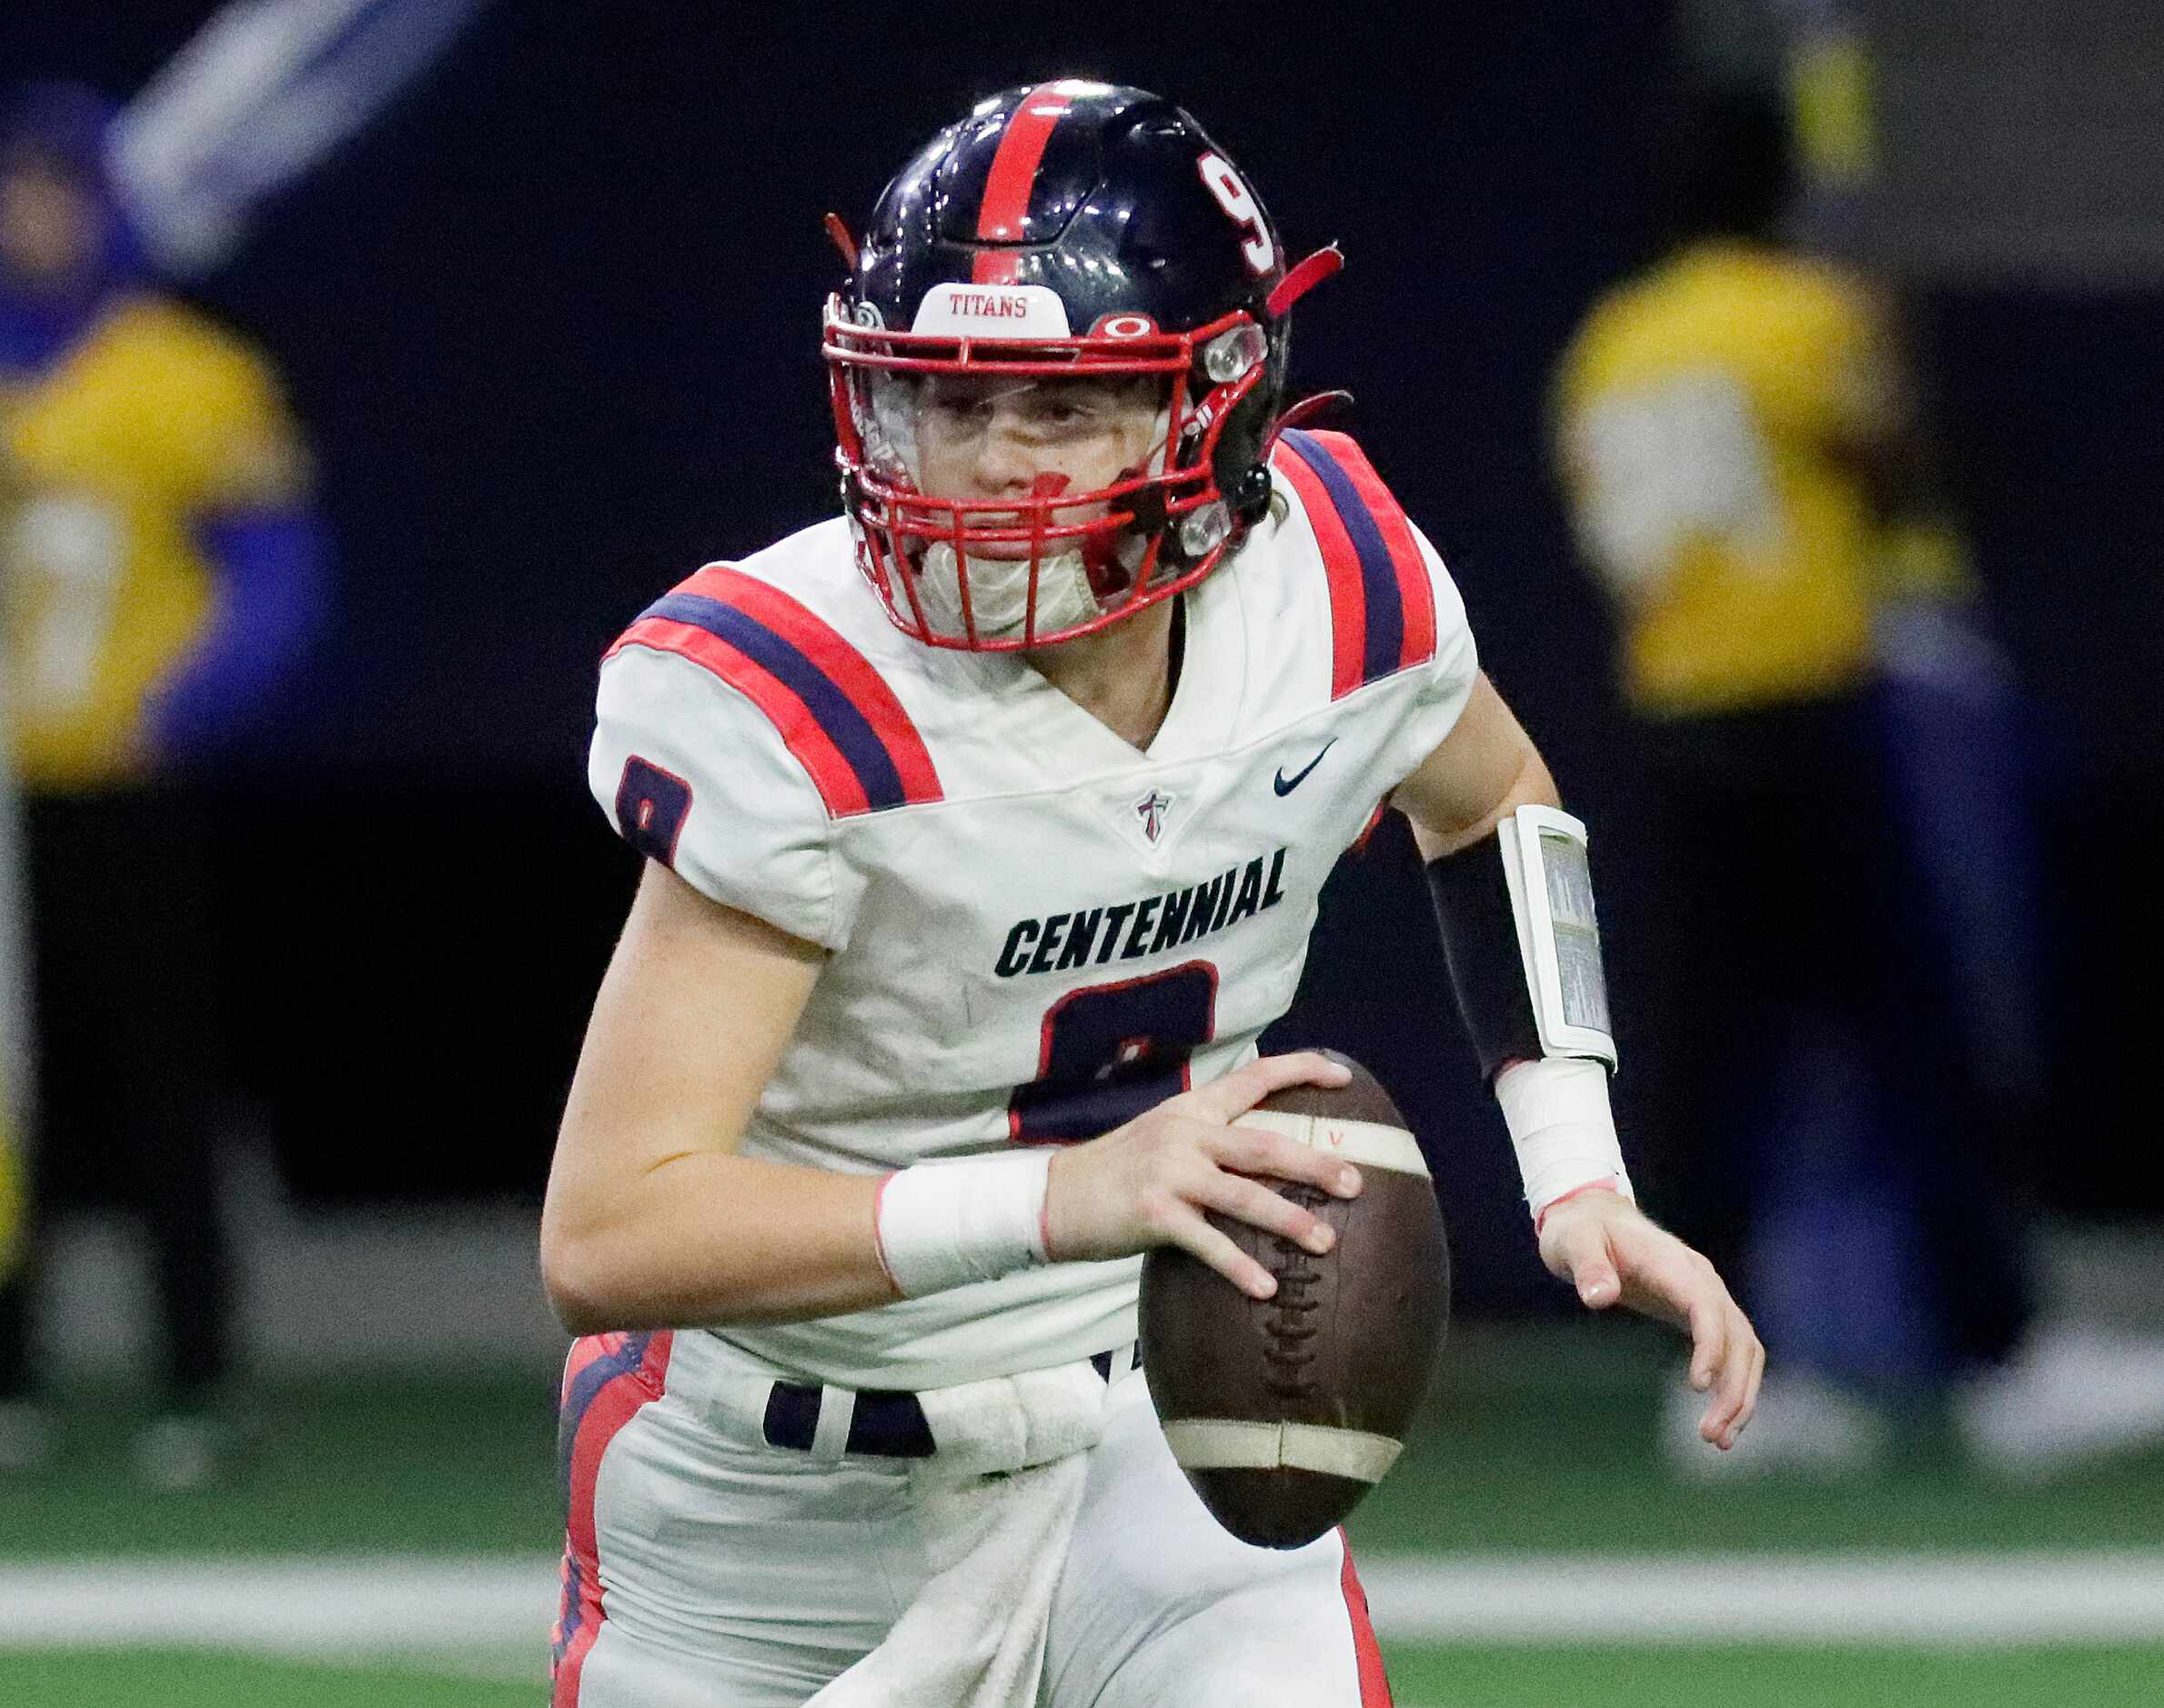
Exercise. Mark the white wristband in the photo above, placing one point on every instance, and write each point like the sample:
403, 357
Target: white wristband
1561, 1125
945, 1224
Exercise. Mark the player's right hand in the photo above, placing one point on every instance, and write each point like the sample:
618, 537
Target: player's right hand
1149, 1182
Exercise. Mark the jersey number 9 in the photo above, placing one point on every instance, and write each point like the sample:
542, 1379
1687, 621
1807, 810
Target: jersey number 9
1110, 1051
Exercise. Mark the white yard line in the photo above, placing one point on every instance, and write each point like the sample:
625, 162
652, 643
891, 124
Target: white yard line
486, 1613
1960, 1601
353, 1605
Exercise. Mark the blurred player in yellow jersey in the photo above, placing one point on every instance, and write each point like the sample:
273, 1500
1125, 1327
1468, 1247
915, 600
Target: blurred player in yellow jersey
1720, 414
160, 569
1840, 818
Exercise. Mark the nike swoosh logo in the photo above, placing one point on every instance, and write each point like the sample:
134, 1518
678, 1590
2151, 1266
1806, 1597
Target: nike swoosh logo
1285, 785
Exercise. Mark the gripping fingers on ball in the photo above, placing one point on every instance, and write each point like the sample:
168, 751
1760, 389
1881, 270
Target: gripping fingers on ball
1196, 1236
1252, 1150
1250, 1202
1231, 1096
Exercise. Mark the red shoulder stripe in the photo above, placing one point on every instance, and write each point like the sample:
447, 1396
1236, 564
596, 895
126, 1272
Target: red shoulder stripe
1414, 591
848, 668
832, 710
830, 772
1341, 564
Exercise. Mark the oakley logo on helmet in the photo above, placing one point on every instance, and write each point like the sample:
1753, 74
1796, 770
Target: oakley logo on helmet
1123, 326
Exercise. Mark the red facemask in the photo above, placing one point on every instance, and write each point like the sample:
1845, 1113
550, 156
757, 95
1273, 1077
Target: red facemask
1021, 571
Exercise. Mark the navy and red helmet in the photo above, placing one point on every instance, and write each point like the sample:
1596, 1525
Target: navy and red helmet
1070, 229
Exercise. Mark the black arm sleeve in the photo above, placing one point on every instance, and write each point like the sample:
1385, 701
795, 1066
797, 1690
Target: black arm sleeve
1480, 941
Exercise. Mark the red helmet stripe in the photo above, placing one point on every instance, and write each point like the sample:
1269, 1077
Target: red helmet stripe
1005, 211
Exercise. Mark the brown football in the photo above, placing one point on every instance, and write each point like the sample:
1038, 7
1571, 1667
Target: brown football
1285, 1412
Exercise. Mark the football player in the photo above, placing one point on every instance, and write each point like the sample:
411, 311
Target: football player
1811, 667
985, 825
162, 569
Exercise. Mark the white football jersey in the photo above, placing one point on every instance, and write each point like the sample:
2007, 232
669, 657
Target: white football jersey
1036, 930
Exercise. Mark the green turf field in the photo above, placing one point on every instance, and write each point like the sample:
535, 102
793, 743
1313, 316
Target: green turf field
1775, 1678
179, 1678
1533, 1444
1422, 1678
1538, 1442
1536, 1445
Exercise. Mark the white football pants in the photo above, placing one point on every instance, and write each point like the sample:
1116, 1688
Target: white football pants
707, 1569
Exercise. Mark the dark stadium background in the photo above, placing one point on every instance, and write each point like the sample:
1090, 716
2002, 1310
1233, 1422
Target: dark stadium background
552, 327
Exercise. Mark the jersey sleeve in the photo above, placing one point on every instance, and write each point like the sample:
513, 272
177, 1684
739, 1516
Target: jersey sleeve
1445, 680
693, 774
1396, 623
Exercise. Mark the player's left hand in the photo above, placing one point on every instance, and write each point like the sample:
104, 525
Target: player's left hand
1612, 1252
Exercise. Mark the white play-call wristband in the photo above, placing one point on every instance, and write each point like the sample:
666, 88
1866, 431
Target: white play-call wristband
946, 1224
1562, 1127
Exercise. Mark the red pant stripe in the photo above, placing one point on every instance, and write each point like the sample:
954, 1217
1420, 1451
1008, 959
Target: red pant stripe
616, 1405
1375, 1688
